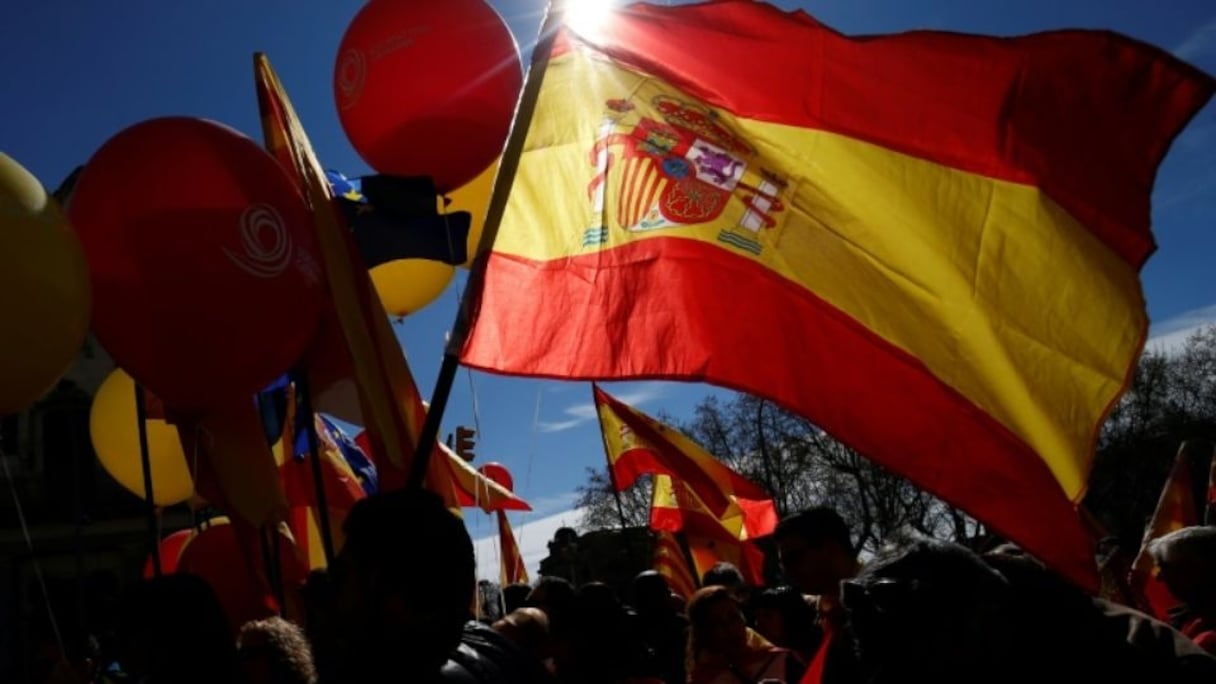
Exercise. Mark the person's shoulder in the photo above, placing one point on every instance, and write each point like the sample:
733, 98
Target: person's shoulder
1158, 646
486, 657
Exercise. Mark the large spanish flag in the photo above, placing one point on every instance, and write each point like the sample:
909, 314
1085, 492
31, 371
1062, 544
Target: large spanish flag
637, 445
927, 243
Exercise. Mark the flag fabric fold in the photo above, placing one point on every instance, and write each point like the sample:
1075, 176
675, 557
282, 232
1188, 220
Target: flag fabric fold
927, 243
474, 490
234, 468
513, 570
675, 507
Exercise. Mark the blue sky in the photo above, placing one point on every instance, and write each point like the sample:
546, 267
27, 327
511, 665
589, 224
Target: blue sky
81, 70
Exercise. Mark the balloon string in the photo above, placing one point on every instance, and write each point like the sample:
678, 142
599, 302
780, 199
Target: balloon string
447, 233
29, 543
476, 404
527, 489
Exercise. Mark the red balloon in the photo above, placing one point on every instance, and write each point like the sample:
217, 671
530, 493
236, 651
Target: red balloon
205, 275
216, 556
170, 551
499, 474
427, 88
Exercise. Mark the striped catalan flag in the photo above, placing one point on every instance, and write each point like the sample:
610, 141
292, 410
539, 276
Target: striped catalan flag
513, 569
927, 243
669, 562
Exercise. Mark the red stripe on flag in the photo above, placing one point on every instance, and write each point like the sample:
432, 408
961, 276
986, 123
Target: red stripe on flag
963, 455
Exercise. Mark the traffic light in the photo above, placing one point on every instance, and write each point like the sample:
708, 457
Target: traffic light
464, 442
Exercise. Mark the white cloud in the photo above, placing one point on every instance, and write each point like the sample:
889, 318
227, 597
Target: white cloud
1199, 186
545, 505
1201, 41
1170, 335
560, 425
533, 539
577, 414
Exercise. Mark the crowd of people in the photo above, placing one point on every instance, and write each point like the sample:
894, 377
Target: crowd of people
396, 606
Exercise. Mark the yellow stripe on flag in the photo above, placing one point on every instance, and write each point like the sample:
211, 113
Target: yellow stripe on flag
890, 240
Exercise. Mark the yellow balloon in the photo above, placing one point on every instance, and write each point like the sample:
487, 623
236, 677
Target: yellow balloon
474, 197
44, 289
115, 434
407, 285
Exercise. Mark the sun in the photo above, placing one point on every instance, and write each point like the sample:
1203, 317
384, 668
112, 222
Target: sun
587, 17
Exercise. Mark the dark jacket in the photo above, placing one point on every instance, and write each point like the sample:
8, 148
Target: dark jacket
486, 657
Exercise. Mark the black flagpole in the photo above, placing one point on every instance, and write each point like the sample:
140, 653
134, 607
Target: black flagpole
304, 412
141, 417
498, 204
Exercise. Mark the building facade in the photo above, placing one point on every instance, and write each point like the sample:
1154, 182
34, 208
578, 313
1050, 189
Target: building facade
64, 525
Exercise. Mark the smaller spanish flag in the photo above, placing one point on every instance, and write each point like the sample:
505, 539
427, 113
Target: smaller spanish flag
637, 444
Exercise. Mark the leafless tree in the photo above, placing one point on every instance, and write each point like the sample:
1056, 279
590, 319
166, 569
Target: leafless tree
1172, 398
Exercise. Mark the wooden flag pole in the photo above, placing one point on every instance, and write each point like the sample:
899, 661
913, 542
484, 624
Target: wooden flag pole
511, 154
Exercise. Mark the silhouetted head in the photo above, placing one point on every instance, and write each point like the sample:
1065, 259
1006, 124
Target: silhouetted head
717, 623
723, 574
173, 629
651, 595
515, 596
1187, 561
816, 550
931, 611
403, 585
275, 651
784, 617
527, 628
557, 597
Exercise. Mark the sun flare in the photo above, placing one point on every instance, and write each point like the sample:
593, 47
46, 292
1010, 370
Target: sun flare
586, 17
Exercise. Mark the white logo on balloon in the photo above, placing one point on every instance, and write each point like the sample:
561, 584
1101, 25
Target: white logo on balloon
352, 71
266, 244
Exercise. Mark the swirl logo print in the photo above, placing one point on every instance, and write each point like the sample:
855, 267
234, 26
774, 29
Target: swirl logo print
352, 73
265, 243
